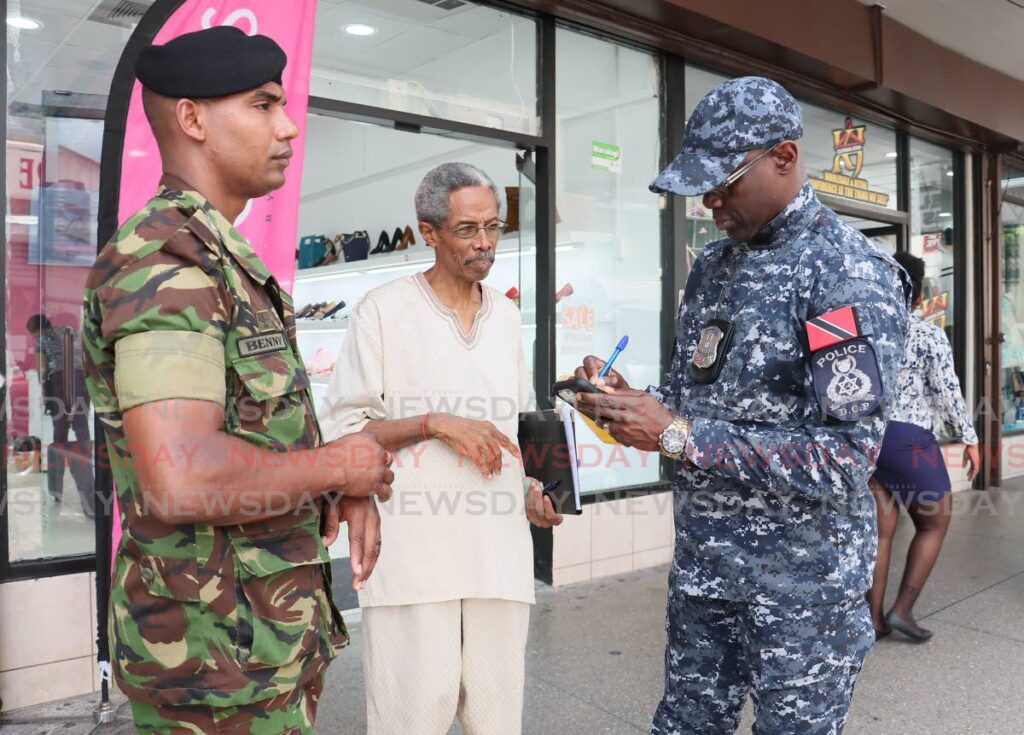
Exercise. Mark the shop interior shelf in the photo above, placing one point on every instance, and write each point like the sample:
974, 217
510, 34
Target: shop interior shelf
335, 326
418, 255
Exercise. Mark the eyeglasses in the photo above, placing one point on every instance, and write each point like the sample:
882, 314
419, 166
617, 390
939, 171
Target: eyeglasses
492, 230
722, 190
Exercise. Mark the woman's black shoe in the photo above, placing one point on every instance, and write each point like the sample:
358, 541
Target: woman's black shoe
881, 633
914, 632
382, 243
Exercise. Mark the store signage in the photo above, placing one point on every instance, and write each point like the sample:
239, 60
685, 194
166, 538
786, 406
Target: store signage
270, 223
605, 157
932, 242
843, 179
933, 310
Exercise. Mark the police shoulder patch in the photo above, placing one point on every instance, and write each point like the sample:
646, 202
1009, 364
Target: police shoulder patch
847, 382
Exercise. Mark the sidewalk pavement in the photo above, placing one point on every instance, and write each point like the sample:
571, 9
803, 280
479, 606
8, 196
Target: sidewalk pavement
595, 653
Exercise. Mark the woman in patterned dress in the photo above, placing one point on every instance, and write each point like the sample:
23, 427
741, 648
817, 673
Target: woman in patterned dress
910, 467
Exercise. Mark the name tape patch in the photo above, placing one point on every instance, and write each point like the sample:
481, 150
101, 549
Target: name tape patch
262, 344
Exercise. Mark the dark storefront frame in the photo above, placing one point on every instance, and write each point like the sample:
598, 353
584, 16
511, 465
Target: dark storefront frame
673, 215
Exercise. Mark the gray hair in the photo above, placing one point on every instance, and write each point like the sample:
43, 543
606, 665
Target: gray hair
432, 195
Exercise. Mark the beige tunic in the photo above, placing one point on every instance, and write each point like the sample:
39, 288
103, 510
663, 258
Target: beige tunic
447, 532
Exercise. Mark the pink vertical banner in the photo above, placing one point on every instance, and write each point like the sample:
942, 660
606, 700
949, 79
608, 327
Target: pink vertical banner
270, 223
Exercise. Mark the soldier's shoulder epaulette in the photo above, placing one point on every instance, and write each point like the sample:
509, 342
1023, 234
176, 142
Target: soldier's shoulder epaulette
160, 225
147, 230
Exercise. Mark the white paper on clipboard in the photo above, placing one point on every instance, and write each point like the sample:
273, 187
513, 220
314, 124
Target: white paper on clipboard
569, 421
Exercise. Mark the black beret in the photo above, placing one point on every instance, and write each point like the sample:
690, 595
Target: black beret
214, 62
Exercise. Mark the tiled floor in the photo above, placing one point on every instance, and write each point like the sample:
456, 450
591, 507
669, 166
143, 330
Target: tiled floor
595, 650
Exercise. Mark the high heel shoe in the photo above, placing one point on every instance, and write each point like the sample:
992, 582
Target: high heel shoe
329, 313
920, 635
396, 240
382, 243
408, 238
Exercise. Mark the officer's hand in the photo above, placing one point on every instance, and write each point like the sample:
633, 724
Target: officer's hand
362, 465
973, 458
540, 511
592, 366
635, 419
478, 441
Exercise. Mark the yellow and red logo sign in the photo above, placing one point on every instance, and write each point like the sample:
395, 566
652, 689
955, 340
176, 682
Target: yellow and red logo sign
843, 179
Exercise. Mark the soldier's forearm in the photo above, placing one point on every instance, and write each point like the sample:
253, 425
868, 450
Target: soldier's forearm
223, 480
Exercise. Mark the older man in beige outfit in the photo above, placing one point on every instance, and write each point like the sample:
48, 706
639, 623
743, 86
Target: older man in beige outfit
432, 365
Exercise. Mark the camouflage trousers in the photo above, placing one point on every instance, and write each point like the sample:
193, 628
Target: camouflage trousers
291, 713
799, 664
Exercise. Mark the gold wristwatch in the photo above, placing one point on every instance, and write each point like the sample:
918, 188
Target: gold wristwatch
673, 439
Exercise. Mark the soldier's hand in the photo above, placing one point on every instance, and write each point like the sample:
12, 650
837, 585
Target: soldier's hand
363, 466
633, 418
478, 441
364, 540
592, 366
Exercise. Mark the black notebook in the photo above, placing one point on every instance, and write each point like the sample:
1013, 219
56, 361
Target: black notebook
548, 443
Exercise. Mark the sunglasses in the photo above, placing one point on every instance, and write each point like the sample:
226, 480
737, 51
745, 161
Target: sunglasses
722, 190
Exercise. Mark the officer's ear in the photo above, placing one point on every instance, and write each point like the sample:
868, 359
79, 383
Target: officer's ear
191, 119
787, 157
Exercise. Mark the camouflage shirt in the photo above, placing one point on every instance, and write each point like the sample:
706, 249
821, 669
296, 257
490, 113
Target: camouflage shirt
772, 504
179, 306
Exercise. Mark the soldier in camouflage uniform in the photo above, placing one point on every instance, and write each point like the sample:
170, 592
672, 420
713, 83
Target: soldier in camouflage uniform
774, 408
221, 612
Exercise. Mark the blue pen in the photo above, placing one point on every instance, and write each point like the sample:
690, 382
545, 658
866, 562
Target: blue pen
618, 348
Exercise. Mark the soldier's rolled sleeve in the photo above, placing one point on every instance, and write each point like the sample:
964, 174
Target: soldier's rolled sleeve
157, 366
818, 459
165, 316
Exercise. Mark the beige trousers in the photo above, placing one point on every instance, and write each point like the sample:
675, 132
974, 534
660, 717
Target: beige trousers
427, 664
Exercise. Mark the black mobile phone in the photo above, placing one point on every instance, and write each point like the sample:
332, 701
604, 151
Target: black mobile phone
567, 389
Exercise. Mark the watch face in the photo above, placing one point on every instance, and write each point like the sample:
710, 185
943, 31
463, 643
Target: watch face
674, 440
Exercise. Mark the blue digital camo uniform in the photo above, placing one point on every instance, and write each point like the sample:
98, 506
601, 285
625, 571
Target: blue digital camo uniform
775, 525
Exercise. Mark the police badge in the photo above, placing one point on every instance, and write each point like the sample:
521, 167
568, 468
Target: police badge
709, 355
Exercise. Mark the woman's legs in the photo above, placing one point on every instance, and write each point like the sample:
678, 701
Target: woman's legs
888, 517
931, 521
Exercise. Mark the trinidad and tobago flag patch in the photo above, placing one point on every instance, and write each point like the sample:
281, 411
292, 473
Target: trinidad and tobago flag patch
832, 328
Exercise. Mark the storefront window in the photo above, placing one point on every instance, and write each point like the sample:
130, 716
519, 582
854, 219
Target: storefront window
454, 60
933, 229
1011, 311
608, 275
60, 62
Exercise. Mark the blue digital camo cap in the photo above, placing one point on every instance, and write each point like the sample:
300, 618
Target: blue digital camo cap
733, 118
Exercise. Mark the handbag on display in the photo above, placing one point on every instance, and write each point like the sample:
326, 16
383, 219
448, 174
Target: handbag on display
355, 246
312, 249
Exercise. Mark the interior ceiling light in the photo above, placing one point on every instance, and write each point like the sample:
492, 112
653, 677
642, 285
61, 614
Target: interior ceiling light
360, 29
891, 154
945, 214
23, 22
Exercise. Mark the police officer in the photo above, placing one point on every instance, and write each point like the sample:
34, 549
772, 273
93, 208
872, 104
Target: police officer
221, 610
790, 332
